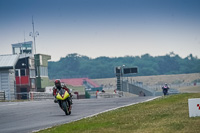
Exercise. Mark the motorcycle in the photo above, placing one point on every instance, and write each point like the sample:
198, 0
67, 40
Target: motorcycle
63, 101
165, 90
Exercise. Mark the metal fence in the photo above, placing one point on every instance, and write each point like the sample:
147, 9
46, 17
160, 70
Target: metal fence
28, 96
2, 95
138, 90
22, 95
40, 96
34, 96
156, 90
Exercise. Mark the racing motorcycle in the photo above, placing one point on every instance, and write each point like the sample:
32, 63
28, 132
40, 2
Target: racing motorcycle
63, 98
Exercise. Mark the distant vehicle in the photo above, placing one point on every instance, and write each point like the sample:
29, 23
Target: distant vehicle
165, 89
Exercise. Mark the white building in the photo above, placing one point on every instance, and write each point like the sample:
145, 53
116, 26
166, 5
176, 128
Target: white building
7, 75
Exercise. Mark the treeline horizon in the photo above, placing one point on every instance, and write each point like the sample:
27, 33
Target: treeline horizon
80, 66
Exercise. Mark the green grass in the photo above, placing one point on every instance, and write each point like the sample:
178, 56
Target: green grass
164, 115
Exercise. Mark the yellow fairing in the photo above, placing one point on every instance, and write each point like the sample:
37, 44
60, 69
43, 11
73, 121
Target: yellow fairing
59, 97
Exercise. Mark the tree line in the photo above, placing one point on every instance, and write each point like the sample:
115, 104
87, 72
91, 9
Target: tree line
78, 66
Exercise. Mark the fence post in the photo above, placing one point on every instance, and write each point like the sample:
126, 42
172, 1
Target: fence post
31, 95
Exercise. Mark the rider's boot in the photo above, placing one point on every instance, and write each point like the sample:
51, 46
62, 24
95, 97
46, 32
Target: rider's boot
70, 107
55, 100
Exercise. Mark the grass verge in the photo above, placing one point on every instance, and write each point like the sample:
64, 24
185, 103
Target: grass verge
164, 115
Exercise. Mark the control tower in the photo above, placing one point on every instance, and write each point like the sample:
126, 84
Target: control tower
24, 49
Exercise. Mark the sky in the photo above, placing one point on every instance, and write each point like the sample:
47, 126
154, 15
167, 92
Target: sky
112, 28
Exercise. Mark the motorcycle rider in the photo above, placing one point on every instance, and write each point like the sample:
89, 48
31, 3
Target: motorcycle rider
57, 87
165, 89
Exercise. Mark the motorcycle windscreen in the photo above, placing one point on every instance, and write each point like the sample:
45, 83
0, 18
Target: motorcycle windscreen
63, 97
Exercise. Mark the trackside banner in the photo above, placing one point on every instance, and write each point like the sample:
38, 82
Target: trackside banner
194, 107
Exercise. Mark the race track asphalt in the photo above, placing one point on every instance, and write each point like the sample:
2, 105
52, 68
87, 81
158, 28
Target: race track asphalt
25, 117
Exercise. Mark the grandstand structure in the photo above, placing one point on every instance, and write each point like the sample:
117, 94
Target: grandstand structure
79, 86
79, 82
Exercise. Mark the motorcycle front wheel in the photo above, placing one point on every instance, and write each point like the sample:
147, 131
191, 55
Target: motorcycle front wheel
65, 106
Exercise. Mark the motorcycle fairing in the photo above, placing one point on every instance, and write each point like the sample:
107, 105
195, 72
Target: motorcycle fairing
63, 97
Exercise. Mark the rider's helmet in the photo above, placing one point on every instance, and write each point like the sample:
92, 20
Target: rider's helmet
57, 83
